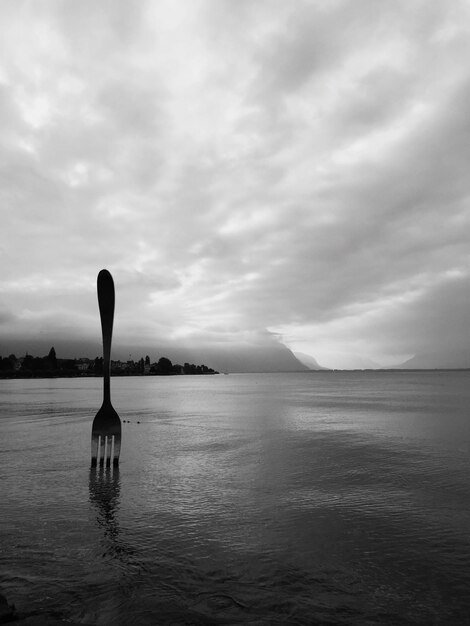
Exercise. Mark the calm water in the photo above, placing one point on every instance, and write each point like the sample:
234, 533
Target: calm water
328, 498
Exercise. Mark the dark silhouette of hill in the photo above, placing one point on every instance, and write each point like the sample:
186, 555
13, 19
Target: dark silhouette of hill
271, 356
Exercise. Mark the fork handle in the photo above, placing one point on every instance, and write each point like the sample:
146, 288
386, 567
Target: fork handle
105, 287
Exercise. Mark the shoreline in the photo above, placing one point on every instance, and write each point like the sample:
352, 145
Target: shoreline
43, 376
14, 376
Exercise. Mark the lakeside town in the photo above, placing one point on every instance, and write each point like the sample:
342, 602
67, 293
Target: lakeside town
51, 366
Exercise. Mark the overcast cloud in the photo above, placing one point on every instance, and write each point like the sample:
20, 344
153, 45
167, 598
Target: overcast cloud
249, 171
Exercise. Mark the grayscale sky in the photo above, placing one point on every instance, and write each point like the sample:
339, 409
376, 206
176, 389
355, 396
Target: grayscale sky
248, 170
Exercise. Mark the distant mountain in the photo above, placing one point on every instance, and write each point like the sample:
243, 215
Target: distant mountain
361, 363
271, 356
274, 357
434, 360
309, 361
351, 361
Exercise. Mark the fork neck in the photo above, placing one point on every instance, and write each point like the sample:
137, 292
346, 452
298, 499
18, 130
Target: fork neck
107, 331
106, 382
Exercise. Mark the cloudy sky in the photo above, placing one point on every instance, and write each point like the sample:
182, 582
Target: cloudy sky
250, 171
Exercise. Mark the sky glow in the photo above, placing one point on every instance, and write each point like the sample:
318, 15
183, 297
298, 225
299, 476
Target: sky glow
249, 172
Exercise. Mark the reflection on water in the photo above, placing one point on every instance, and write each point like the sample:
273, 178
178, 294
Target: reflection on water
105, 490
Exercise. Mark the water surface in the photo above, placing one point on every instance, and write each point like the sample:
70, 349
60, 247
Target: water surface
329, 498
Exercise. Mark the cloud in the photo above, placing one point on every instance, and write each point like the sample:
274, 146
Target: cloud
243, 169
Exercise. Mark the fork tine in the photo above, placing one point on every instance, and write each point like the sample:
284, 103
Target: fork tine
102, 449
109, 446
117, 450
94, 450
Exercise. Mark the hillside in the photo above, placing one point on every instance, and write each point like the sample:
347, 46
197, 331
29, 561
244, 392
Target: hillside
449, 360
309, 361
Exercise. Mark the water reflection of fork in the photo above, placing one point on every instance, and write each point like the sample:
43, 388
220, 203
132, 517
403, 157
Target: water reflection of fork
105, 494
105, 488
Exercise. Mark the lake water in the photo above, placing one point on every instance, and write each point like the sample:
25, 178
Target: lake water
313, 498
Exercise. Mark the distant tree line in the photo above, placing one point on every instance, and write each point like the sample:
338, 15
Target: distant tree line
51, 366
30, 365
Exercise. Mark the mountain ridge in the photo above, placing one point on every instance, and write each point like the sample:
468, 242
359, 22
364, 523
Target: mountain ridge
309, 361
234, 358
437, 361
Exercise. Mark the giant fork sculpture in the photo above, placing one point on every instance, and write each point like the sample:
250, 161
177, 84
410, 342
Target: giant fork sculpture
106, 429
